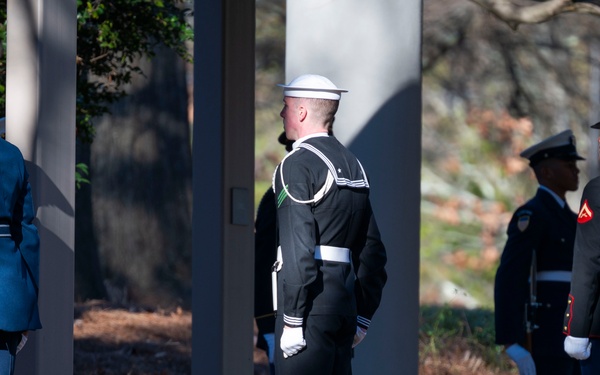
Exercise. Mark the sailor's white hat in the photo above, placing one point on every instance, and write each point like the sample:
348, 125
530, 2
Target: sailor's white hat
312, 86
560, 146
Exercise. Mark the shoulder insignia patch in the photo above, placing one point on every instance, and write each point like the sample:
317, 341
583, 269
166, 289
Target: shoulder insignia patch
281, 197
523, 222
585, 213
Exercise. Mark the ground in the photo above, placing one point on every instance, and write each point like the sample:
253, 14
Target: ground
114, 340
111, 340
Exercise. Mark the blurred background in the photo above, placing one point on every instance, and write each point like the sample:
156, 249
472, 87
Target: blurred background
489, 92
490, 89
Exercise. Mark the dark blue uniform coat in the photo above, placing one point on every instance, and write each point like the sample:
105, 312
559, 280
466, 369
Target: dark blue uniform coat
19, 245
343, 218
543, 225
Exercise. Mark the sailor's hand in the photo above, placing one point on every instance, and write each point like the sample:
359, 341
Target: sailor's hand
292, 341
359, 335
578, 347
522, 359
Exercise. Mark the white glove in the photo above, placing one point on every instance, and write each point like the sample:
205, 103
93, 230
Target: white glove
292, 341
522, 358
359, 336
578, 347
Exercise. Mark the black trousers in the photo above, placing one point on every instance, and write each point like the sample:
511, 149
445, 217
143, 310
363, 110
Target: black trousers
328, 348
8, 351
591, 366
556, 366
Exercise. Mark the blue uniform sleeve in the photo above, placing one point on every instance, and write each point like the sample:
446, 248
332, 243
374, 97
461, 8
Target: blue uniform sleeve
297, 238
30, 243
511, 288
370, 274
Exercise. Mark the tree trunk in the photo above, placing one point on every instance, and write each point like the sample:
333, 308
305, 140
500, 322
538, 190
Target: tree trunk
88, 276
142, 189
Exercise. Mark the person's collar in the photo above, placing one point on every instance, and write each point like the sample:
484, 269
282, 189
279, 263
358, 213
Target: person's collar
314, 135
559, 200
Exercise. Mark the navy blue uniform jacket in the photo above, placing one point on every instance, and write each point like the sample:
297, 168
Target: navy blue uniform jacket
540, 224
19, 249
342, 218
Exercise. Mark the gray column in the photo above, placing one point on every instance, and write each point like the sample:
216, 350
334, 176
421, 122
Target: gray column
40, 120
373, 50
223, 177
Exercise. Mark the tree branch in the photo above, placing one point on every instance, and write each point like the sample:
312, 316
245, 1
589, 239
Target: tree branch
515, 13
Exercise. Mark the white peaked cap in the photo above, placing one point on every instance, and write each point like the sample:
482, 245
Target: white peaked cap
312, 86
561, 146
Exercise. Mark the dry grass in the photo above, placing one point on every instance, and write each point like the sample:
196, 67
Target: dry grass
112, 340
458, 358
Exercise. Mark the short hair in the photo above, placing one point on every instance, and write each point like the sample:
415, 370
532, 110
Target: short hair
324, 110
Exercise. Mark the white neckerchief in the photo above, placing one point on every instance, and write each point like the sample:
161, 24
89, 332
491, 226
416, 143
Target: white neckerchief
300, 140
558, 199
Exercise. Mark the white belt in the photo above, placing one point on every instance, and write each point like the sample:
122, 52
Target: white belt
328, 253
561, 276
332, 253
322, 252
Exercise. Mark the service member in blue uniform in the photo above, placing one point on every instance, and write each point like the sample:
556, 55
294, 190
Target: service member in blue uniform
532, 280
19, 257
332, 273
582, 316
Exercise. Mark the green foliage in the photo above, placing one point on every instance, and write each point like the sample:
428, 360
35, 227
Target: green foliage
111, 36
81, 170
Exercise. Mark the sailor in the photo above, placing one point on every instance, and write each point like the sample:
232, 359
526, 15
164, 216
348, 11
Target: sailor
332, 273
532, 280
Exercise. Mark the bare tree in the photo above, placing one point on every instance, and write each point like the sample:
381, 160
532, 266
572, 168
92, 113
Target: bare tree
519, 12
540, 71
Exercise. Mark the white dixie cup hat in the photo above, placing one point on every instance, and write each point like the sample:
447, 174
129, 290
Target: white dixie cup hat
312, 86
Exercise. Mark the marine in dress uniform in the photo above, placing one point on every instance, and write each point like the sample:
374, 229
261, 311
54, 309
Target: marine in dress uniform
19, 257
582, 316
332, 273
532, 280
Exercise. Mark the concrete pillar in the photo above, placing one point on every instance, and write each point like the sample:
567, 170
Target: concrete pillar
40, 120
223, 178
373, 49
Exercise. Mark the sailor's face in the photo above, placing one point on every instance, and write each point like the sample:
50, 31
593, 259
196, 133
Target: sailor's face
289, 116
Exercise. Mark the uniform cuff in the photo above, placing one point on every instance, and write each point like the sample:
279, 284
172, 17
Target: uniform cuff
363, 322
292, 321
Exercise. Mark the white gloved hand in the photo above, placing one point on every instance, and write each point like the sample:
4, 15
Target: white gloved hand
359, 336
292, 341
522, 358
578, 347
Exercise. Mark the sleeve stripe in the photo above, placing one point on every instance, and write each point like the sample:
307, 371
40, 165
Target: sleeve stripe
292, 321
362, 321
